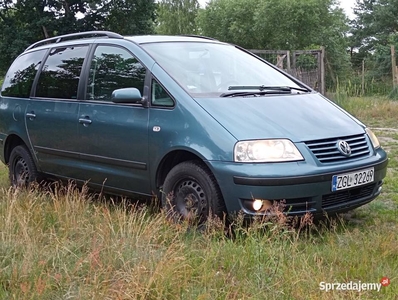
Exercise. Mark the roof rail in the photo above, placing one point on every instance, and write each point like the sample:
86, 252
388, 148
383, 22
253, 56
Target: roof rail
199, 36
75, 36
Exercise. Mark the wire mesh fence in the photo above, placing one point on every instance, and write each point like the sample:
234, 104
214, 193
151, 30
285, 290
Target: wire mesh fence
371, 75
305, 65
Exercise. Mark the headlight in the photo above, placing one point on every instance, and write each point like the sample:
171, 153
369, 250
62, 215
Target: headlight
373, 138
266, 151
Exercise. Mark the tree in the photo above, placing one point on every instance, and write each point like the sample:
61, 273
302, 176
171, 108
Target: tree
375, 21
232, 21
177, 17
281, 25
374, 30
131, 17
23, 22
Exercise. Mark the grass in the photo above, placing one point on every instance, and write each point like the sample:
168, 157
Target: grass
66, 245
373, 111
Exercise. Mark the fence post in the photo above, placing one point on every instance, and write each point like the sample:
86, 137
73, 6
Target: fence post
294, 60
288, 61
394, 67
322, 67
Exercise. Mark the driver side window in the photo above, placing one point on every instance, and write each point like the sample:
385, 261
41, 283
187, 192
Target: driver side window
113, 68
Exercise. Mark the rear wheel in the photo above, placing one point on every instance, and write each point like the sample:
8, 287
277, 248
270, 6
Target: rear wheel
22, 169
190, 191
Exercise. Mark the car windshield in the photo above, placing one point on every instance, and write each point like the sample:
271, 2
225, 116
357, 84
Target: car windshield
206, 69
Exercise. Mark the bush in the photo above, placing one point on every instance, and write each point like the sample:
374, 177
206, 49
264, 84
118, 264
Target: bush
394, 94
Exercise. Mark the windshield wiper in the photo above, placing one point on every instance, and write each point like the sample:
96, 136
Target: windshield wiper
246, 90
268, 88
254, 93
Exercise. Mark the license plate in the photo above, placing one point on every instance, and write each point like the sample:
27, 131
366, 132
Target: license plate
349, 180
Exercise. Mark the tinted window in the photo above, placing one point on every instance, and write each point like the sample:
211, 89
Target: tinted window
113, 68
159, 96
61, 72
20, 76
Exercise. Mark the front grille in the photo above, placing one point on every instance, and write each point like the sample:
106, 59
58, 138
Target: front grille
347, 196
326, 150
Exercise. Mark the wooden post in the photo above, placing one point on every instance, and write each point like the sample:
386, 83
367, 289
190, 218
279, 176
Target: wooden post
288, 61
394, 67
294, 60
322, 73
396, 75
279, 60
363, 78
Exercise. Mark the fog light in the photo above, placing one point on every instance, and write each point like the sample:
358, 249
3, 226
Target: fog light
257, 204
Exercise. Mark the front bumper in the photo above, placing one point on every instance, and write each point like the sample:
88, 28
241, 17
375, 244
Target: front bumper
302, 186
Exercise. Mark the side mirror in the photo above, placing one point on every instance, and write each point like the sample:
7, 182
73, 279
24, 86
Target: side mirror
127, 95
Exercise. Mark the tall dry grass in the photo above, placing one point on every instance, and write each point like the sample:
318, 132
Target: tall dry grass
66, 244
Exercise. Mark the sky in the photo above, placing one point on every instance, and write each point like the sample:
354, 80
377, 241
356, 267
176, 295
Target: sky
347, 5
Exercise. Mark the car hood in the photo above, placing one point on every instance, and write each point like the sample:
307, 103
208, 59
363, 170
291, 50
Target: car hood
298, 117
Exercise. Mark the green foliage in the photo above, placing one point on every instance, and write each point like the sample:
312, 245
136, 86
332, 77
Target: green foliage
377, 69
374, 23
23, 22
378, 61
252, 24
282, 25
177, 17
373, 31
131, 17
352, 87
394, 94
232, 21
307, 61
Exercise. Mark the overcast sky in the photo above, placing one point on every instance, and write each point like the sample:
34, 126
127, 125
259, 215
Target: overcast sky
347, 5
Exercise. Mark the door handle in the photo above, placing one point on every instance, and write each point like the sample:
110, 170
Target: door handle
85, 121
31, 115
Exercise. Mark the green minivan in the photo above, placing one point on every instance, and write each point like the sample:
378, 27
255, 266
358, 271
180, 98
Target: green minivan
207, 126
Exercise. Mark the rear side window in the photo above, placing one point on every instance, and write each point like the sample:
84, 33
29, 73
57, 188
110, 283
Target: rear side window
113, 68
60, 74
20, 76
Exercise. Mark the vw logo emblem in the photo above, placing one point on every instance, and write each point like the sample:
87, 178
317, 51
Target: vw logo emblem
344, 148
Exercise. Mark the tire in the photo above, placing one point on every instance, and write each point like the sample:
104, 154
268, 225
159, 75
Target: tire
22, 169
190, 191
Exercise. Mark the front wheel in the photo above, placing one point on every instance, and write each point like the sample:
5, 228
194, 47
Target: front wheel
22, 169
190, 191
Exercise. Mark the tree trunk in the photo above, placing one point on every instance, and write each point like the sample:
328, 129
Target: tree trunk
45, 32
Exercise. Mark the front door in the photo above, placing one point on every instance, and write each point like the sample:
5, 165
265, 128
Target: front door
114, 137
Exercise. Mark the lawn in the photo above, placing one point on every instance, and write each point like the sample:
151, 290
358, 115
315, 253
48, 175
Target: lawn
66, 245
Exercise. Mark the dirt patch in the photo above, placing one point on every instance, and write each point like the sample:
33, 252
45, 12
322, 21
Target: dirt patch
385, 129
387, 139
